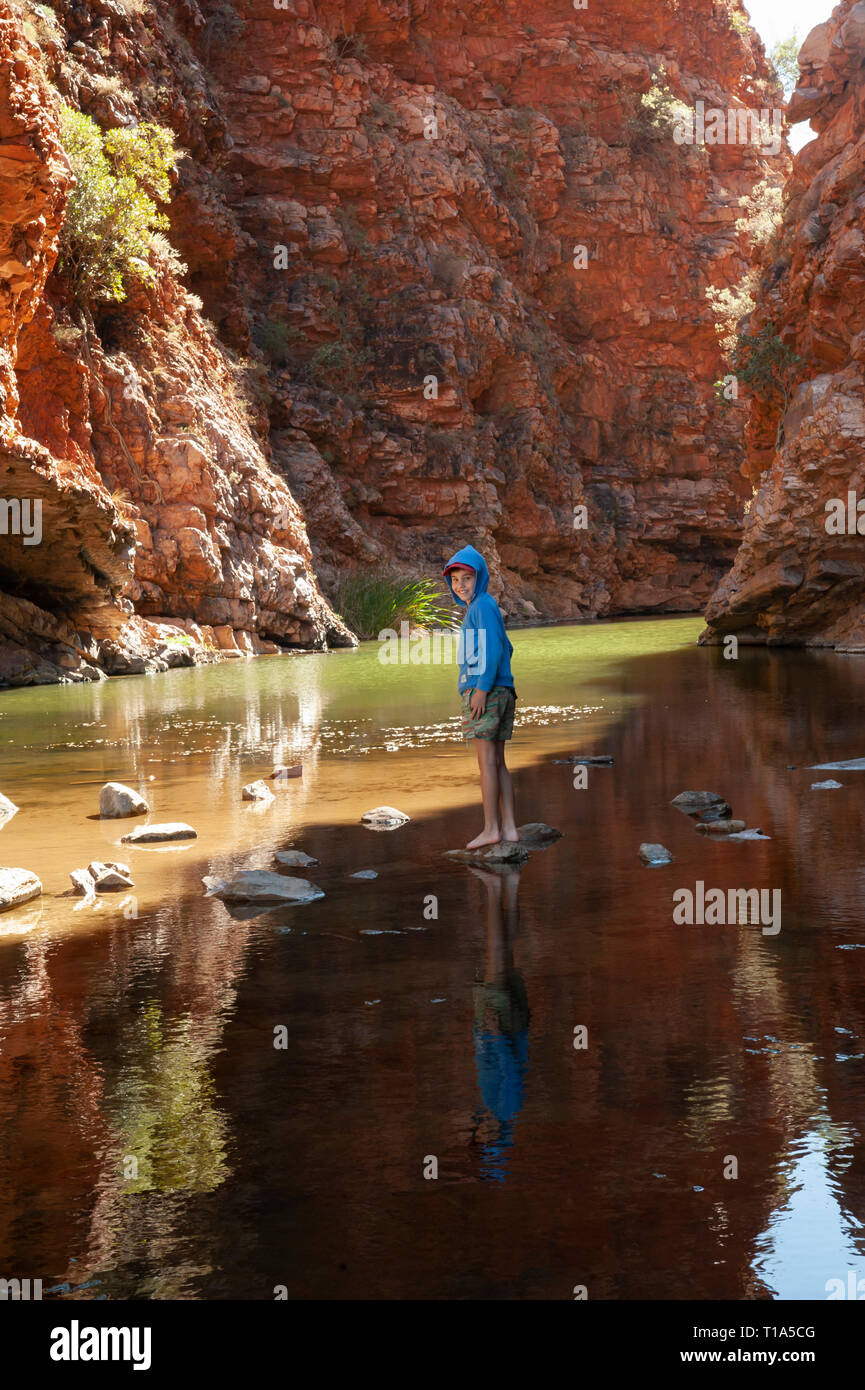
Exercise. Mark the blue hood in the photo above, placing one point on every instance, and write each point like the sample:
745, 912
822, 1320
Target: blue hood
469, 556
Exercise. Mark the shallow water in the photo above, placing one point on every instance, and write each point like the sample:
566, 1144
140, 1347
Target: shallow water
156, 1143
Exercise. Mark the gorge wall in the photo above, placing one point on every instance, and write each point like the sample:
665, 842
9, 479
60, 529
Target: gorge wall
799, 577
384, 342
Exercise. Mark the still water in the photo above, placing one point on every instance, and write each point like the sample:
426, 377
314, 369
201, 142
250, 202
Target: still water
202, 1105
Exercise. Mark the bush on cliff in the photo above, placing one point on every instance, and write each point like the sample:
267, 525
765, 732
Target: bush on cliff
112, 213
370, 603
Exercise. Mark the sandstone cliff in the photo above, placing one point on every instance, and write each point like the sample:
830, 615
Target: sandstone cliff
385, 341
800, 574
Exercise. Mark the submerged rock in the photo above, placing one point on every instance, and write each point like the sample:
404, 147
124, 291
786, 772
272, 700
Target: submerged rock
17, 886
654, 854
384, 818
117, 801
294, 858
721, 810
748, 835
829, 785
281, 773
110, 878
851, 765
364, 873
504, 852
694, 803
8, 809
257, 791
536, 835
721, 827
150, 834
593, 760
260, 886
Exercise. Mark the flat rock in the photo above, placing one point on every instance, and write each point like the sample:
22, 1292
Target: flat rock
150, 834
17, 886
117, 801
852, 765
829, 785
536, 835
7, 809
721, 827
282, 772
384, 818
260, 886
654, 854
502, 853
111, 877
257, 791
83, 882
692, 803
364, 873
294, 858
748, 835
721, 810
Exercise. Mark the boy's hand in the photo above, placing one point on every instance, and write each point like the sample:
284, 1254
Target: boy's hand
478, 703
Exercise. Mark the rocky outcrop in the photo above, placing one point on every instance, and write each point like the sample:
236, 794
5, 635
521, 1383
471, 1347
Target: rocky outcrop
444, 277
800, 574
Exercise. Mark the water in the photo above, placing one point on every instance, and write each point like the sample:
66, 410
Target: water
194, 1104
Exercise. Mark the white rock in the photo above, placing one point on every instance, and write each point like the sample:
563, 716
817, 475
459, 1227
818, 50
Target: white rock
295, 858
280, 773
851, 765
149, 834
257, 791
384, 818
108, 878
84, 882
829, 785
364, 873
17, 886
260, 886
117, 801
7, 809
653, 853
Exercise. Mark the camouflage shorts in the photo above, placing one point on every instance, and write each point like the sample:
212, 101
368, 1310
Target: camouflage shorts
497, 721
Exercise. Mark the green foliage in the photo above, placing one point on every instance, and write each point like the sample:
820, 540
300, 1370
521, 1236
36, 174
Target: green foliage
740, 24
369, 603
657, 114
763, 210
766, 364
277, 340
112, 213
729, 306
784, 61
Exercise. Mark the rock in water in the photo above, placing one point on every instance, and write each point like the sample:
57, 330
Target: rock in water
257, 791
150, 834
110, 878
260, 886
84, 882
294, 858
364, 873
829, 785
536, 835
721, 827
384, 818
692, 803
117, 801
280, 773
596, 760
7, 809
749, 835
721, 810
851, 765
17, 886
654, 854
491, 855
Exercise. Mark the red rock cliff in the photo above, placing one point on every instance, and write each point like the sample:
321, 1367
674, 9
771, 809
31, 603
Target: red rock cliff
403, 347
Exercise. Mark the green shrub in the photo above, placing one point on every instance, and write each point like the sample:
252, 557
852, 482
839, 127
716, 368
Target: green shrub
655, 116
369, 603
277, 340
766, 364
112, 214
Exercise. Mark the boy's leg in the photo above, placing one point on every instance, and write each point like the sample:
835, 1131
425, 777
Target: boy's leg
506, 791
489, 770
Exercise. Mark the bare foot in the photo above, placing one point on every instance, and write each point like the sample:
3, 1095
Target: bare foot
486, 837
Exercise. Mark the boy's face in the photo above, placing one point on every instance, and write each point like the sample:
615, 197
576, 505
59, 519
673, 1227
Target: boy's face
463, 582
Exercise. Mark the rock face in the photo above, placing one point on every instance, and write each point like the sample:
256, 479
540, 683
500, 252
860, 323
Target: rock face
800, 574
381, 214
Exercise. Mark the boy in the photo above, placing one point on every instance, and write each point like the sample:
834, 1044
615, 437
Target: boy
486, 687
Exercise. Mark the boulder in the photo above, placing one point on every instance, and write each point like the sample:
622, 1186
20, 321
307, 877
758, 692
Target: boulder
491, 855
260, 886
721, 827
280, 774
83, 882
7, 809
364, 873
257, 791
536, 835
17, 886
829, 785
111, 877
294, 858
384, 818
693, 803
117, 801
654, 854
151, 834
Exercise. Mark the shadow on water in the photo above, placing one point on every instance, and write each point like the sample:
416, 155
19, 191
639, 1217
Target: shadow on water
194, 1105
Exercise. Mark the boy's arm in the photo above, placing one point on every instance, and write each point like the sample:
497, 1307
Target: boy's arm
490, 648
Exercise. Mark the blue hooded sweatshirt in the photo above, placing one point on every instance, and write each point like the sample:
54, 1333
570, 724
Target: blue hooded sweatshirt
484, 647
